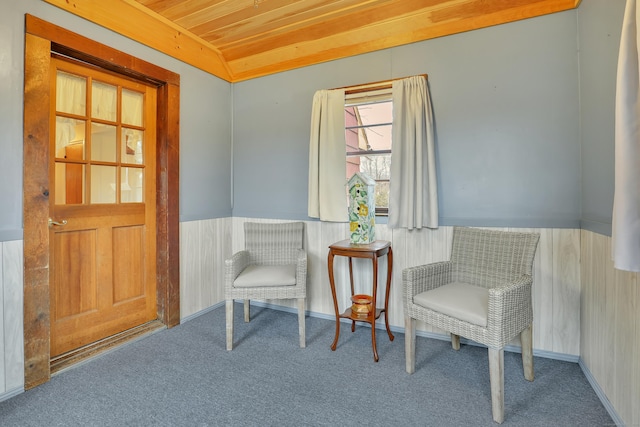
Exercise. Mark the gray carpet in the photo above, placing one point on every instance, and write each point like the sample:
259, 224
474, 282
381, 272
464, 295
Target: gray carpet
185, 377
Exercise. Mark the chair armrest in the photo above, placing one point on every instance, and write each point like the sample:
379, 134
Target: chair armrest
416, 280
510, 308
234, 266
301, 267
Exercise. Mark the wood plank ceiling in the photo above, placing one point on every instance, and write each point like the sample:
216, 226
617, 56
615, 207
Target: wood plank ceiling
243, 39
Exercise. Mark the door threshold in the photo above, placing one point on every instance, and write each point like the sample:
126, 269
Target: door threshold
75, 357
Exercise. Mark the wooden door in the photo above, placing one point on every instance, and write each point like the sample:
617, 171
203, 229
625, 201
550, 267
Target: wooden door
102, 210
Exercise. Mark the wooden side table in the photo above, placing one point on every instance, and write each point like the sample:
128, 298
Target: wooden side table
373, 251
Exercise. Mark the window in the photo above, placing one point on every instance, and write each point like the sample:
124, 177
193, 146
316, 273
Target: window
368, 125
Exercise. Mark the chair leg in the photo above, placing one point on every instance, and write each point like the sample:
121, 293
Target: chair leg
247, 305
229, 313
496, 376
410, 344
455, 341
301, 321
526, 341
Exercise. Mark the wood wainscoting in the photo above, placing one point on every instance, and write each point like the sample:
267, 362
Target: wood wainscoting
610, 326
556, 289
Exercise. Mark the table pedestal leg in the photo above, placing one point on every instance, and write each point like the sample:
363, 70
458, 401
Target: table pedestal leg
353, 322
335, 300
386, 297
373, 306
373, 338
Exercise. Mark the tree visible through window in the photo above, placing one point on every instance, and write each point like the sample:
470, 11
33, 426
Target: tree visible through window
368, 125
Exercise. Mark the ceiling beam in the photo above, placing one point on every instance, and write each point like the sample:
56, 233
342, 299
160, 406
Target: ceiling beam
132, 20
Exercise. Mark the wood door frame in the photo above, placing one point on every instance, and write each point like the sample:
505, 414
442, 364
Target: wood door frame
42, 39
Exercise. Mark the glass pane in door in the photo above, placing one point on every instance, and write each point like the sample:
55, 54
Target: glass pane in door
71, 94
70, 182
103, 142
69, 132
104, 101
132, 150
132, 107
103, 184
132, 185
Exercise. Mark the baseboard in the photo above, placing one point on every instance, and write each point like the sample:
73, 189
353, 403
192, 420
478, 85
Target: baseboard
510, 348
600, 393
201, 312
11, 393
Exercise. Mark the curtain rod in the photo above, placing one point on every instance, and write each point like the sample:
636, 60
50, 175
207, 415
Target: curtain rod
383, 84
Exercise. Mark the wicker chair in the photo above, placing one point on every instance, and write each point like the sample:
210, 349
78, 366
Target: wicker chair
272, 266
482, 293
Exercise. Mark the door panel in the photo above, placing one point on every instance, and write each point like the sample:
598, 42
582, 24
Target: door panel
79, 296
128, 276
103, 253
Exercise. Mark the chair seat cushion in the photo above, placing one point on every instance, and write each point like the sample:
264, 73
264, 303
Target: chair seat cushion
459, 300
266, 275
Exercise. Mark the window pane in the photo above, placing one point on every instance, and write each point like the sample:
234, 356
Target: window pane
377, 167
103, 142
132, 107
132, 146
132, 185
378, 137
382, 194
372, 124
104, 101
381, 112
103, 184
372, 138
69, 132
71, 94
354, 141
353, 165
69, 184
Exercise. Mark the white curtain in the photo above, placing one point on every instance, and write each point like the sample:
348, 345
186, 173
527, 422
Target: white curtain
327, 157
413, 193
625, 245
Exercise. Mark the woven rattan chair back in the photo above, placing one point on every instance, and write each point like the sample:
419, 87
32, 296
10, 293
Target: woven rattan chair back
489, 258
273, 243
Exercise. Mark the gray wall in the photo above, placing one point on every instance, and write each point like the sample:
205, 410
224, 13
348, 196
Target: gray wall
511, 102
271, 133
599, 26
506, 105
205, 117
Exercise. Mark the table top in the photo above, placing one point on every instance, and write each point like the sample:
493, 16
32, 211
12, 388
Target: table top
346, 245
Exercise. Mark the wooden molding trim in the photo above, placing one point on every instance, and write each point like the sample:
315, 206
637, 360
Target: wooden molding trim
35, 210
76, 46
132, 20
41, 41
